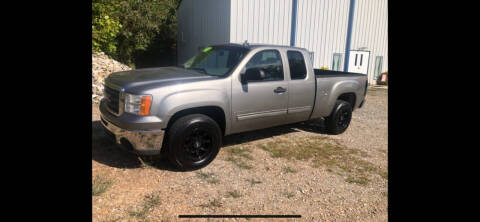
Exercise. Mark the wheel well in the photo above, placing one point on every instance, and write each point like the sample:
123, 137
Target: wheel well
214, 112
349, 97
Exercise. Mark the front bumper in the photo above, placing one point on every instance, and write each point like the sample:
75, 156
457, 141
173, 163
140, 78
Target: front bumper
141, 142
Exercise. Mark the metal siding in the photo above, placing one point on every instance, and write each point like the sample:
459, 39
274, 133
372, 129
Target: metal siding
322, 28
202, 23
370, 30
263, 21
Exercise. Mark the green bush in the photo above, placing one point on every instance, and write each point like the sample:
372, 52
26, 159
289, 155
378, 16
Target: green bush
105, 27
104, 31
125, 29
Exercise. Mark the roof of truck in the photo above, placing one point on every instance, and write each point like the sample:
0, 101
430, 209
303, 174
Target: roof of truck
251, 46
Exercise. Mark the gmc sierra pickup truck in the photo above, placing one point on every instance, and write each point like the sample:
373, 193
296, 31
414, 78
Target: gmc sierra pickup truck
183, 112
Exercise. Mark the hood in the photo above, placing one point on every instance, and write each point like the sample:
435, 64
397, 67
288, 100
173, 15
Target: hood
154, 77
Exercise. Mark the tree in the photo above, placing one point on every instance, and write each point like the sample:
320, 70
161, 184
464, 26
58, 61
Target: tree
105, 27
124, 29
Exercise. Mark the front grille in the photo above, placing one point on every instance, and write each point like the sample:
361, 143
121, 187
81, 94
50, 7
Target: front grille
112, 97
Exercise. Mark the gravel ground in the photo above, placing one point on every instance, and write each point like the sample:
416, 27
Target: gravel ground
246, 179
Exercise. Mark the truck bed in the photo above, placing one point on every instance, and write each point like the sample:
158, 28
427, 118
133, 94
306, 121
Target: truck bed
331, 73
330, 85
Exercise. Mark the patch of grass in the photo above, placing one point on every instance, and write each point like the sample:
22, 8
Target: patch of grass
212, 203
239, 156
324, 152
253, 181
234, 194
289, 170
289, 194
239, 163
203, 175
384, 175
100, 185
359, 180
240, 152
112, 220
243, 165
209, 177
149, 203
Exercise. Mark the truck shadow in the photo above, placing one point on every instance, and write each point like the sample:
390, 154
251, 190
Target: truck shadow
313, 126
107, 152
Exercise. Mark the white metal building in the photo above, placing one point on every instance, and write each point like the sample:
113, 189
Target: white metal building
325, 27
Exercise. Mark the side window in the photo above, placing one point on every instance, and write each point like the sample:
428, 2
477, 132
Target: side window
265, 66
298, 70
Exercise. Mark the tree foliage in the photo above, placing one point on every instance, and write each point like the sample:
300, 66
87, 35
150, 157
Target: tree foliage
125, 29
105, 28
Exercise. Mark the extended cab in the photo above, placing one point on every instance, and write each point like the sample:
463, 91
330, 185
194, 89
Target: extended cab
184, 112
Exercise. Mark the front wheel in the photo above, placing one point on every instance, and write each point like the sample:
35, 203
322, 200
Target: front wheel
194, 141
340, 118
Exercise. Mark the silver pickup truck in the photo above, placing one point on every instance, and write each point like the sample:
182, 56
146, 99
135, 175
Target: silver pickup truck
183, 112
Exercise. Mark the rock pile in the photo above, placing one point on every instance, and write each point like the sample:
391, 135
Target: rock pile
102, 66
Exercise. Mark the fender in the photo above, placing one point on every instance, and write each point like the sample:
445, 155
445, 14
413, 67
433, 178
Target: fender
339, 88
186, 99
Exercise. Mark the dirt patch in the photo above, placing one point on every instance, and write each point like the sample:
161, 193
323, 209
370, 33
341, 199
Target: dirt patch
294, 169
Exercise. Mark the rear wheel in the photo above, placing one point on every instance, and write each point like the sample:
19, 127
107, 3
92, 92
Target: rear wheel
193, 141
340, 118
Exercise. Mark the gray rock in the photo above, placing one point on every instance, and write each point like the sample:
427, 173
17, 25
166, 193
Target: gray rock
102, 66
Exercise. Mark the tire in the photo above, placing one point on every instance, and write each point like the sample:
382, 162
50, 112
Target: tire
340, 118
193, 142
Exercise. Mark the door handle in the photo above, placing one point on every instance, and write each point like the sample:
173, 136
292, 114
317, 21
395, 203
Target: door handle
279, 90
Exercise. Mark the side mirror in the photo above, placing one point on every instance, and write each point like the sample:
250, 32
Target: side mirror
243, 76
251, 74
255, 74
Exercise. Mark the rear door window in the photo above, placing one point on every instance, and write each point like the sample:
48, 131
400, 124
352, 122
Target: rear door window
298, 70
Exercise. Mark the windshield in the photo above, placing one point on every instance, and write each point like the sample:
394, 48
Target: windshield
216, 60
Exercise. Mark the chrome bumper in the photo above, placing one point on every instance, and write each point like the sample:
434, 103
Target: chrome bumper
143, 142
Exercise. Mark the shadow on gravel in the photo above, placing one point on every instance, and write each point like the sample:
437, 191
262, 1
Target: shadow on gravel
313, 126
107, 152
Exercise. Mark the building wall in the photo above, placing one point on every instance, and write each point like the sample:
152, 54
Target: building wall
261, 21
322, 28
370, 30
201, 23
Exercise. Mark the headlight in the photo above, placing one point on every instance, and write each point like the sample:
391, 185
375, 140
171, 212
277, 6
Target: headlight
138, 104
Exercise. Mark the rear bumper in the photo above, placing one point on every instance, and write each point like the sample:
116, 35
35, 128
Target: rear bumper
141, 142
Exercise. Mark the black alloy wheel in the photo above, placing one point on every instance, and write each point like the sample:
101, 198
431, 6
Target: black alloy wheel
198, 145
193, 141
340, 118
344, 117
